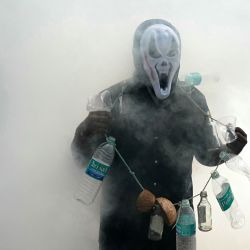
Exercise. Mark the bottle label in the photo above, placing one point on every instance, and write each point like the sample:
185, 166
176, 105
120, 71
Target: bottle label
186, 226
97, 170
226, 197
202, 214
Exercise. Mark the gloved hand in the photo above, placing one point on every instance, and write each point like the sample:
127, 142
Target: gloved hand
237, 145
96, 123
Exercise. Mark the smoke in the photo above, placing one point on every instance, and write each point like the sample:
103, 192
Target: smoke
56, 54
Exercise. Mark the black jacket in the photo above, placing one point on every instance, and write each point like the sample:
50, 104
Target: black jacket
158, 139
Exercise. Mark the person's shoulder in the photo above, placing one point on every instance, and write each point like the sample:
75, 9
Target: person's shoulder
198, 97
120, 88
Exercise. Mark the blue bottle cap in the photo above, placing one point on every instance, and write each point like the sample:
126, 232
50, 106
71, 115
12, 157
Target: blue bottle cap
193, 79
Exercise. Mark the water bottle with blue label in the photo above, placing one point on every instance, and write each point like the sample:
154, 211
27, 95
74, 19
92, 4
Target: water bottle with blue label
227, 201
98, 167
186, 228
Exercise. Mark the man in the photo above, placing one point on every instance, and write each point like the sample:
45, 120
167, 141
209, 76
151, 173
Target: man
158, 130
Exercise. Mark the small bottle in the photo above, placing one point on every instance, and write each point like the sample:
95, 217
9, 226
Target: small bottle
156, 224
236, 163
97, 169
227, 201
100, 102
186, 228
193, 79
204, 213
189, 81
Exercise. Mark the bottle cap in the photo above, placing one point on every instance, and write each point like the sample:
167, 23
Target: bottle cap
224, 156
215, 174
203, 194
111, 140
185, 203
193, 79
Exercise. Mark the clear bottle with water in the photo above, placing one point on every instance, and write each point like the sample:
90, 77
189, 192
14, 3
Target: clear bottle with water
96, 171
236, 163
227, 201
186, 228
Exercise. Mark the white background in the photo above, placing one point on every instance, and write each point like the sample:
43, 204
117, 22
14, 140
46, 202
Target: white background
53, 55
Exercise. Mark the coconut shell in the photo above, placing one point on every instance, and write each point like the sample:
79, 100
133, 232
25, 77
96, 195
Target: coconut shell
169, 210
145, 201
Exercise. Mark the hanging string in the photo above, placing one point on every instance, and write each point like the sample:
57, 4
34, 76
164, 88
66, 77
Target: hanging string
129, 169
133, 173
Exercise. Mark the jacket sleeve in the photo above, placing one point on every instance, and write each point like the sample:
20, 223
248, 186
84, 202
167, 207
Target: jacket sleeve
207, 145
83, 146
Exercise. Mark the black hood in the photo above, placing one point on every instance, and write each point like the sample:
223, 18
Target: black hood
140, 74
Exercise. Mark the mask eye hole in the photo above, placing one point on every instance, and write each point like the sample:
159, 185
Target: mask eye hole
171, 53
153, 51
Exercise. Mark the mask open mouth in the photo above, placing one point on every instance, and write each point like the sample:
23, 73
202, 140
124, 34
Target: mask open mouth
163, 78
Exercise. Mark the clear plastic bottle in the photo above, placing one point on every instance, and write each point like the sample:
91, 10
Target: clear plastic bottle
236, 163
156, 224
186, 228
97, 169
100, 102
227, 201
204, 213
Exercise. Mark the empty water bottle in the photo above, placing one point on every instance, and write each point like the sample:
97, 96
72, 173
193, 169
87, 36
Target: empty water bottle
100, 102
204, 213
97, 169
227, 201
186, 228
236, 163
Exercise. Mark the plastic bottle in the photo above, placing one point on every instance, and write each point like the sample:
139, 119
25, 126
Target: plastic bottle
100, 102
97, 169
236, 163
204, 213
186, 228
156, 224
227, 201
189, 81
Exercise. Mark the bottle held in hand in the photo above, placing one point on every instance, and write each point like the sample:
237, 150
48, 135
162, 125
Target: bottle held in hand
96, 171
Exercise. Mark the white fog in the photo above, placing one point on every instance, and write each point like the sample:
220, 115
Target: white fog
54, 54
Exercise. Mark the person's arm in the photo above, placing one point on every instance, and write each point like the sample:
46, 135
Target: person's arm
89, 134
208, 146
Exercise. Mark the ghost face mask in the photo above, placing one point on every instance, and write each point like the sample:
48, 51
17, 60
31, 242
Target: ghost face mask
160, 50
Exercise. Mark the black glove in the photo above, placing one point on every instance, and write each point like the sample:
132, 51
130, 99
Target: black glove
96, 123
237, 145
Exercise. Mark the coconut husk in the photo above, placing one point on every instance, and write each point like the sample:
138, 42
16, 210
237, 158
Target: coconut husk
145, 201
168, 209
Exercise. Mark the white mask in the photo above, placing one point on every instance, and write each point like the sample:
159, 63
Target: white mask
160, 50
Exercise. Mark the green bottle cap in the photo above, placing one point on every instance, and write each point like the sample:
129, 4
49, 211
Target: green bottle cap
111, 140
193, 79
185, 203
224, 156
215, 174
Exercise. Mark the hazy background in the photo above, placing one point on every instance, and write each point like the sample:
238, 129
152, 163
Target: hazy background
53, 55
